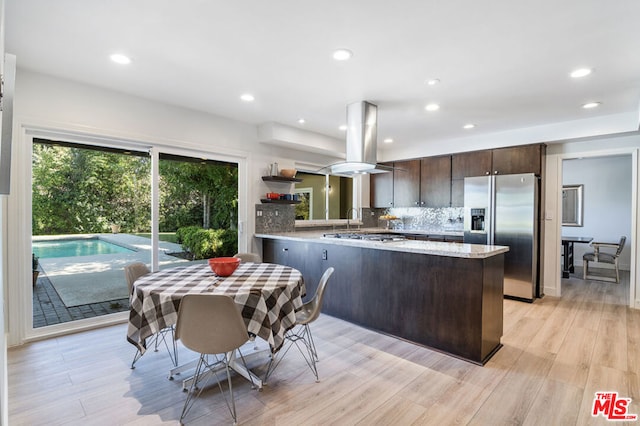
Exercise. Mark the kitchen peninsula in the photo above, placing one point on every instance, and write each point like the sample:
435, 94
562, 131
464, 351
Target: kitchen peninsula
447, 296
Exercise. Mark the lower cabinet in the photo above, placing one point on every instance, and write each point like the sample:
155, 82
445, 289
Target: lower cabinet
448, 303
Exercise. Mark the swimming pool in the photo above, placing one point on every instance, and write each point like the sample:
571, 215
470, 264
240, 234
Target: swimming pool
77, 247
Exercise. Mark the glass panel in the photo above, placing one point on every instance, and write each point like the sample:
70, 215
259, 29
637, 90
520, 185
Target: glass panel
89, 205
198, 212
323, 196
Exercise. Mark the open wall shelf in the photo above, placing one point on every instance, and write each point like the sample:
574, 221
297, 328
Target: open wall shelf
280, 179
267, 201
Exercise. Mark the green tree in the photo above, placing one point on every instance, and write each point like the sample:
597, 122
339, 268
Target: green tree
211, 188
83, 190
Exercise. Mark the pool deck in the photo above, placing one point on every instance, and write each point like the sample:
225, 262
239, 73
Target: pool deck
105, 272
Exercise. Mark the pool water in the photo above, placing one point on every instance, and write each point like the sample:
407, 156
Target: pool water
79, 247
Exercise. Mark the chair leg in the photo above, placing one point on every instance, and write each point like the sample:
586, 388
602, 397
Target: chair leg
203, 364
302, 339
155, 340
136, 357
188, 403
617, 272
303, 336
585, 266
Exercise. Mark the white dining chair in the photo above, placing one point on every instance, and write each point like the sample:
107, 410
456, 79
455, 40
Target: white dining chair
132, 272
300, 335
211, 324
248, 257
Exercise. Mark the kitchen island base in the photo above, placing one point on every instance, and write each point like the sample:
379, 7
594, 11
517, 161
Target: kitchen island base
451, 304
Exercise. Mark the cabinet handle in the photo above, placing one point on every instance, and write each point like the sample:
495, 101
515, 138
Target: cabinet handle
391, 203
417, 203
487, 173
495, 172
285, 249
422, 203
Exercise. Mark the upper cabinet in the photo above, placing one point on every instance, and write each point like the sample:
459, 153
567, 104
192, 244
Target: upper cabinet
381, 189
465, 164
406, 183
499, 161
435, 181
518, 159
439, 181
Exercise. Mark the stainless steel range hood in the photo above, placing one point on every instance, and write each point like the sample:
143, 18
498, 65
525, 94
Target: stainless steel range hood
362, 133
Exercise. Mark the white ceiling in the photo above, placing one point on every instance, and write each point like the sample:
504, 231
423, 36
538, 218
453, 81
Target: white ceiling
503, 64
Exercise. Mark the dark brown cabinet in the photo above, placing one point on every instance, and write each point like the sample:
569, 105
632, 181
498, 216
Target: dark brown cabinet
518, 159
406, 183
452, 304
439, 181
499, 161
465, 164
381, 190
435, 181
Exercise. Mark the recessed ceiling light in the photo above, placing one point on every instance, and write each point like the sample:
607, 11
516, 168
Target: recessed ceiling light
247, 97
342, 54
469, 126
581, 72
301, 120
590, 105
119, 58
388, 140
432, 81
432, 107
343, 127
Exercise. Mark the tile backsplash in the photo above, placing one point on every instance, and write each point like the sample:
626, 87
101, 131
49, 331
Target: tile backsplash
273, 218
417, 218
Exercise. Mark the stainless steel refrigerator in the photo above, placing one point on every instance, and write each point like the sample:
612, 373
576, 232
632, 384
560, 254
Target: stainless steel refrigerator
503, 210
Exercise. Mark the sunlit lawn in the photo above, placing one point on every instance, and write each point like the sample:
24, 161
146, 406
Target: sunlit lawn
163, 236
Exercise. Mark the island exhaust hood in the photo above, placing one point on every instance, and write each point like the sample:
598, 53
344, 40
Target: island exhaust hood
362, 133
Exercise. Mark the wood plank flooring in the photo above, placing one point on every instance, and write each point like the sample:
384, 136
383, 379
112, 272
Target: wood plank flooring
557, 353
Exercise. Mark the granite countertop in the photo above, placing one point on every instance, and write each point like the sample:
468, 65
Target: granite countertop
436, 248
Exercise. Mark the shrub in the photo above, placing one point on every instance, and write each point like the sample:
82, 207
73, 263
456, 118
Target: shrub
207, 243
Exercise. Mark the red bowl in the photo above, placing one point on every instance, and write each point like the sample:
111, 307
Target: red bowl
224, 266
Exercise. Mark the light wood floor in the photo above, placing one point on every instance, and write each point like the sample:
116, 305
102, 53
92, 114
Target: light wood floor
557, 353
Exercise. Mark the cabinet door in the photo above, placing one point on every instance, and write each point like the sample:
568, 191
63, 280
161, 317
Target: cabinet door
381, 189
518, 159
457, 193
435, 181
465, 164
406, 183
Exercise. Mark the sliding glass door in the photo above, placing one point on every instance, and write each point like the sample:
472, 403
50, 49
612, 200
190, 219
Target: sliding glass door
92, 215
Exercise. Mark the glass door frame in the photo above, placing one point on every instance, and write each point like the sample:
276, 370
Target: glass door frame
19, 292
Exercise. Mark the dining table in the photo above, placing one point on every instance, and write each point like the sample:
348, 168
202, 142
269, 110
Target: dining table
267, 294
567, 253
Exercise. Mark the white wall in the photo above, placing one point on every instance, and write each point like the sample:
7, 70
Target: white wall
607, 201
48, 106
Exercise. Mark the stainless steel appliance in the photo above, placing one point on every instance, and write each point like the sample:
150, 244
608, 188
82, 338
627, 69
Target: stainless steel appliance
503, 210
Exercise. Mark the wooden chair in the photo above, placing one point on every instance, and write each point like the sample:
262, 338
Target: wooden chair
598, 256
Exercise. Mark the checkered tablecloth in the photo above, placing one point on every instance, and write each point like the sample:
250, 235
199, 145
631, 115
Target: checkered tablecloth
269, 295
